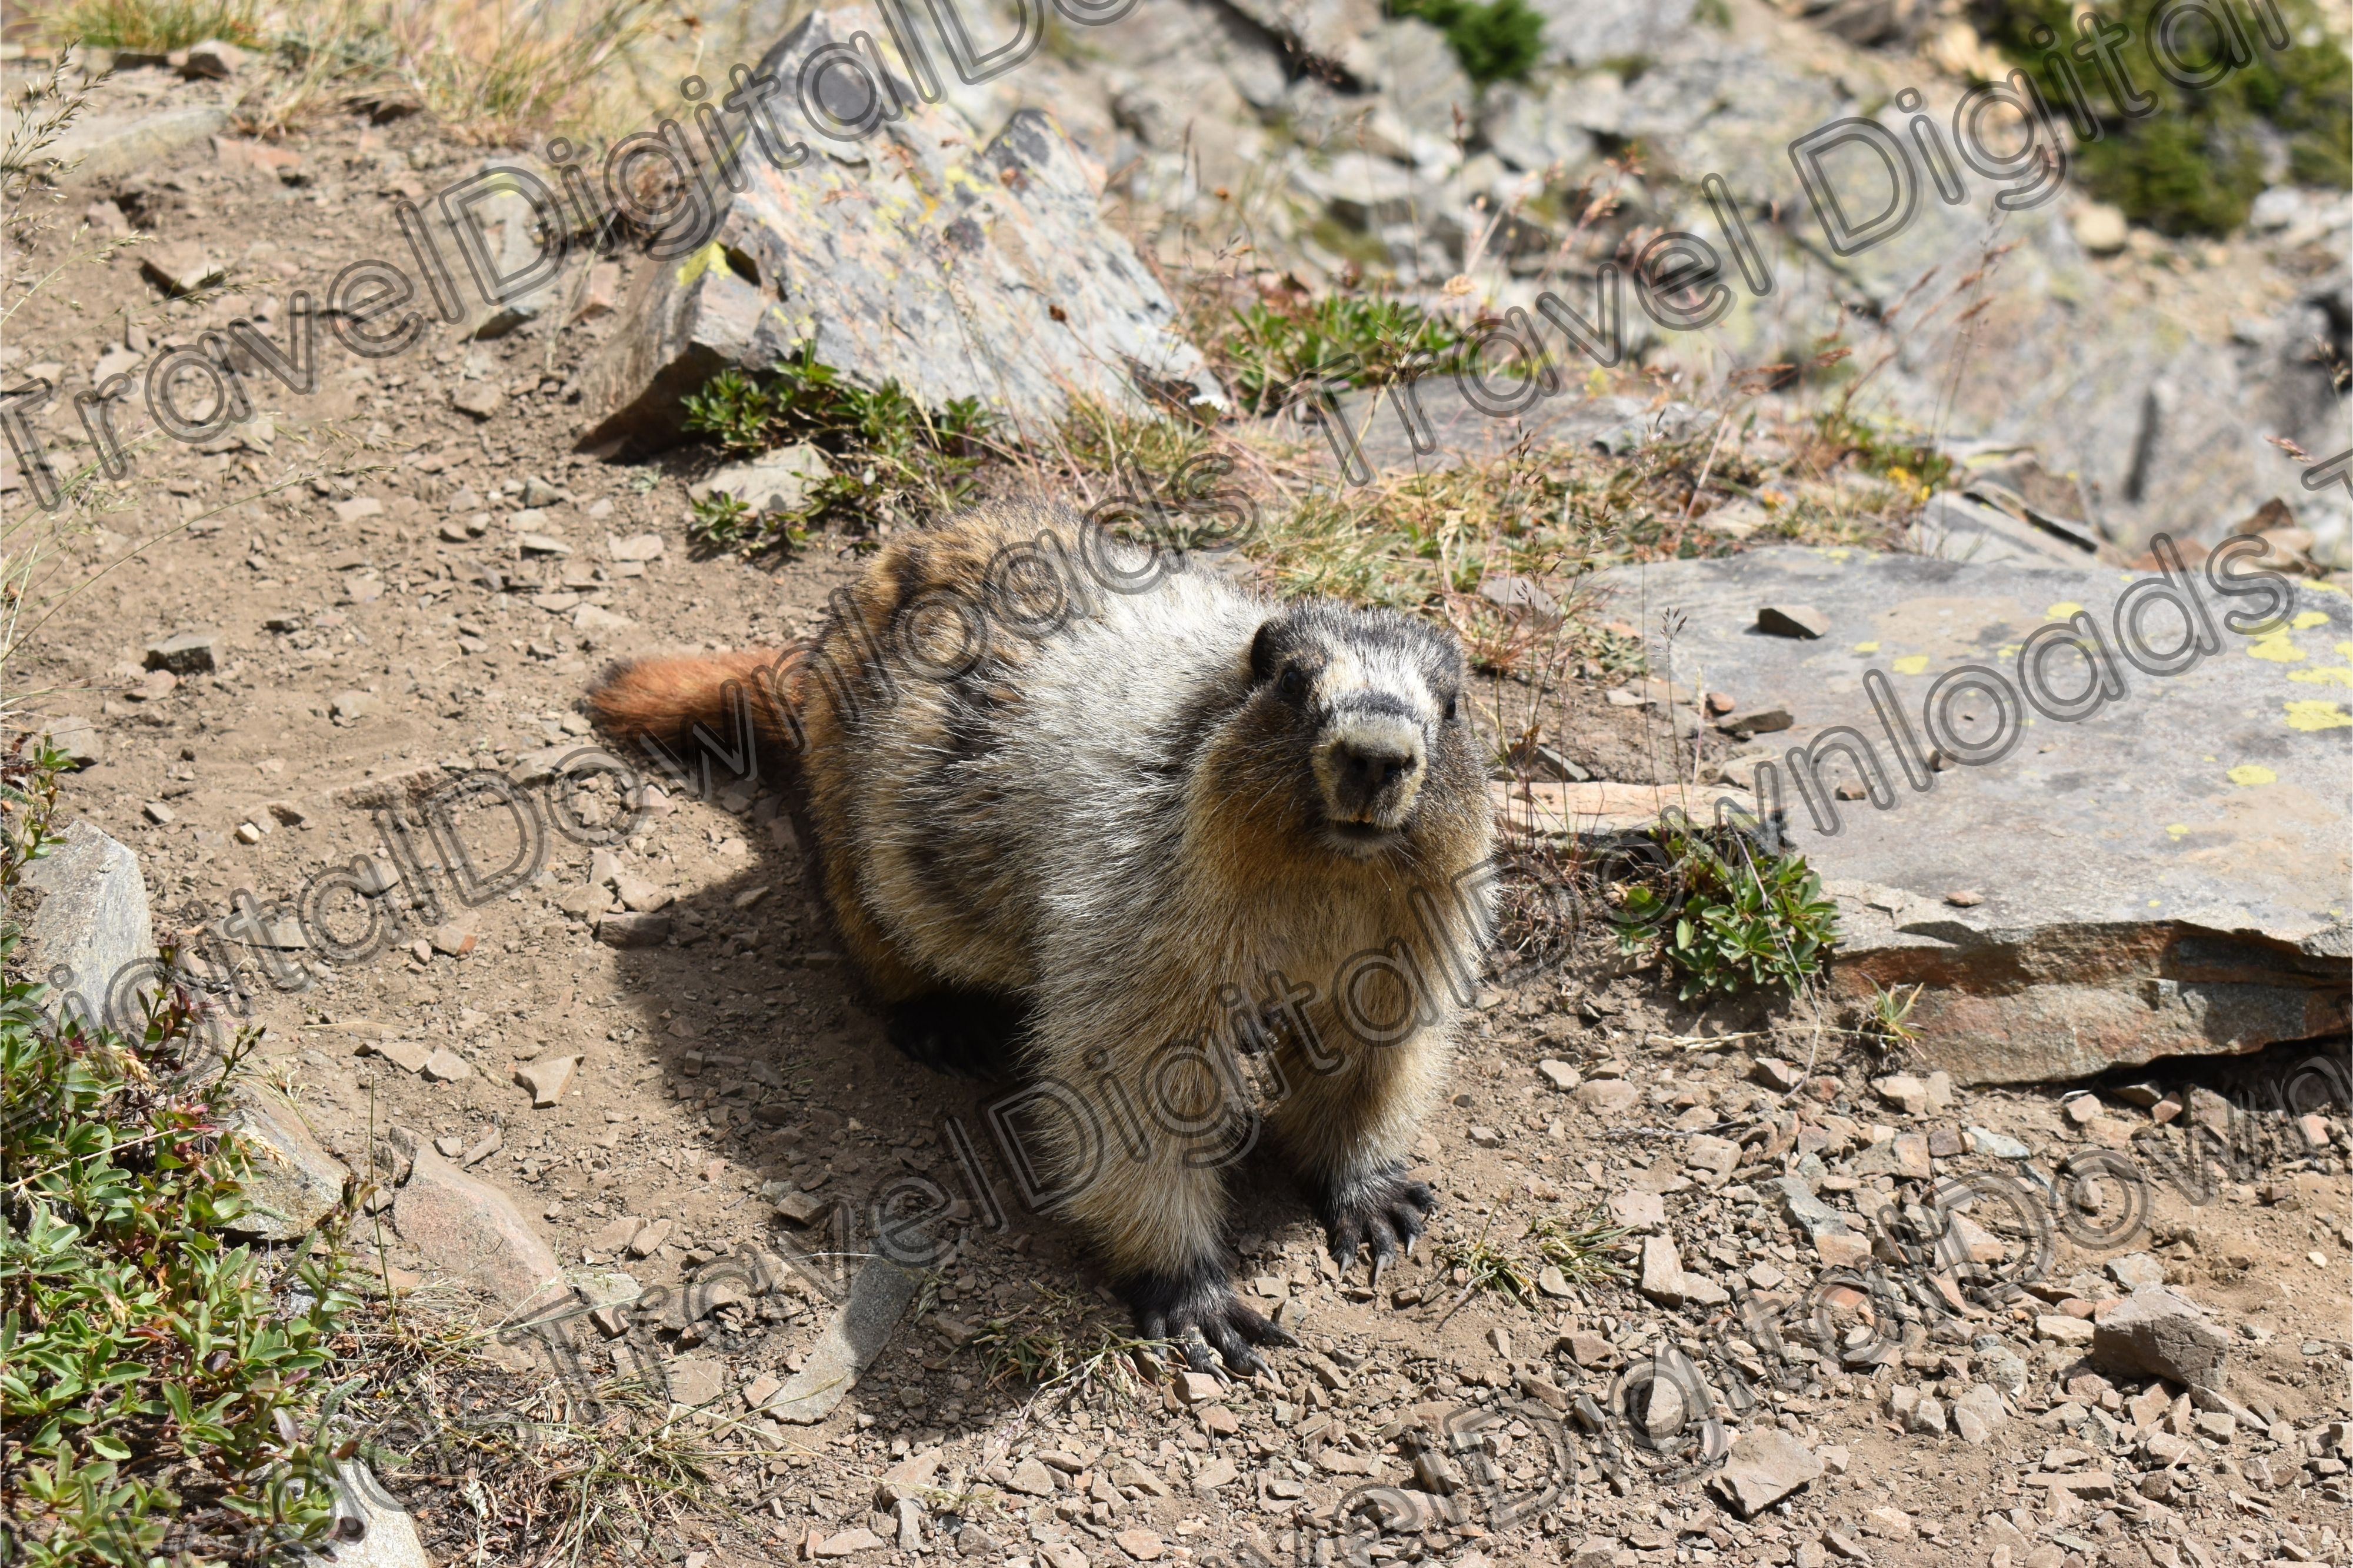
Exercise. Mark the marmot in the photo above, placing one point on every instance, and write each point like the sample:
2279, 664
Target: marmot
1070, 795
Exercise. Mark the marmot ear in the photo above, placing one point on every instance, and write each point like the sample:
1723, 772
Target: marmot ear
1266, 650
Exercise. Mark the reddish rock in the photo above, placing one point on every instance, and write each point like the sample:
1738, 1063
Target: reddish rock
471, 1228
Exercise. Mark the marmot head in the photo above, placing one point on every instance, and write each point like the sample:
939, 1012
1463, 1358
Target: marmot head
1354, 729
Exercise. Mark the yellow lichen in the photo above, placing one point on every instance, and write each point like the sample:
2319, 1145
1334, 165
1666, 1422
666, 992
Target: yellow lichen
2316, 713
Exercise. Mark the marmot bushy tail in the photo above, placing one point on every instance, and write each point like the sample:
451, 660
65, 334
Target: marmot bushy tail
1216, 865
666, 700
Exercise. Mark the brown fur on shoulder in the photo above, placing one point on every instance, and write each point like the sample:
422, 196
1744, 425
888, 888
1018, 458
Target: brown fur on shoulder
667, 699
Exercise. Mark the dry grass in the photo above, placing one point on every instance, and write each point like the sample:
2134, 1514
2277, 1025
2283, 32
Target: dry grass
1553, 515
497, 73
1581, 1248
154, 27
525, 1467
1061, 1347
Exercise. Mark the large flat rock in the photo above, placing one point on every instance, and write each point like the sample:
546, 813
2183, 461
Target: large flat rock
110, 146
920, 255
471, 1228
2166, 876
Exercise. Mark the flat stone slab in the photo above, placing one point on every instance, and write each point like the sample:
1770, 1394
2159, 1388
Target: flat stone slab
291, 1181
864, 1325
2164, 876
1763, 1468
472, 1230
92, 932
116, 144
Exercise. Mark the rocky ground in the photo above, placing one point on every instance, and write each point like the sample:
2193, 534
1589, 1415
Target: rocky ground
646, 1063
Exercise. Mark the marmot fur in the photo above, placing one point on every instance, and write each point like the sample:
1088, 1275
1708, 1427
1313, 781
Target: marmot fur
1071, 797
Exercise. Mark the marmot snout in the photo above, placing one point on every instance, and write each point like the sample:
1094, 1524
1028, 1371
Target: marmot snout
1377, 695
1126, 828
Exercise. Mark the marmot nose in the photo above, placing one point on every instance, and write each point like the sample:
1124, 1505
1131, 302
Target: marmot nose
1363, 771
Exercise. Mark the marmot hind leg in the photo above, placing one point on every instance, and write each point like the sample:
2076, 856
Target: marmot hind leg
968, 1034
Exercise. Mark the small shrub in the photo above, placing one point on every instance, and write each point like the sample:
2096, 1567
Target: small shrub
1724, 920
719, 521
2194, 165
159, 1386
1275, 347
733, 410
894, 462
1499, 40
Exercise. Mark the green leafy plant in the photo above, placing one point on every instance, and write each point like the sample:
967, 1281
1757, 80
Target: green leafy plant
159, 1386
894, 460
2194, 162
1724, 920
1274, 347
1499, 40
733, 410
1888, 1018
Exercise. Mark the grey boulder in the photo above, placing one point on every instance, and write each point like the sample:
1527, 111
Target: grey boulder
908, 256
290, 1183
2162, 876
92, 930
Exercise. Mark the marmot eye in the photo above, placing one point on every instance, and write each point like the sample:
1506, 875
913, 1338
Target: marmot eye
1449, 709
1293, 682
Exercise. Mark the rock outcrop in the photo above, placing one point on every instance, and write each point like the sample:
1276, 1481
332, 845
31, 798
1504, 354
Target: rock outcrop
918, 253
2162, 876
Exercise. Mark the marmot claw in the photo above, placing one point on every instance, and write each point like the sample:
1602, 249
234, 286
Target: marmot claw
1385, 1211
1198, 1312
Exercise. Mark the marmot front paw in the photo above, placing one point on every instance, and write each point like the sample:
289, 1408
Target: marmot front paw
1385, 1211
1199, 1311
